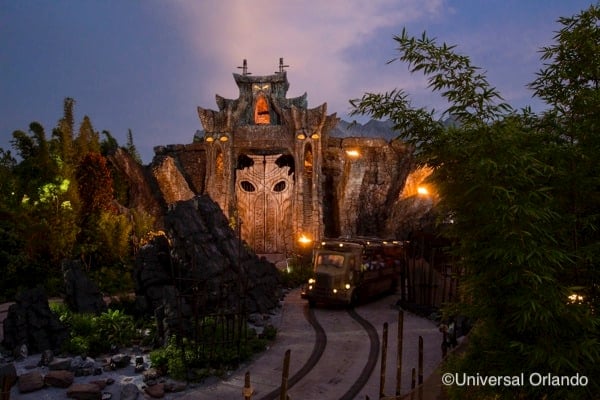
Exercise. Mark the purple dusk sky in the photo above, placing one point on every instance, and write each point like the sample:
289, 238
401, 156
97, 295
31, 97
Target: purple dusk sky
146, 65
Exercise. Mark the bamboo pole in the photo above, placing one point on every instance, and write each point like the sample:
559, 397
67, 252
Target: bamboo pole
284, 375
247, 391
420, 360
399, 352
383, 360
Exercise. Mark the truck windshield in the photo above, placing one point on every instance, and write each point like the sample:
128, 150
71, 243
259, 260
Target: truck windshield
329, 261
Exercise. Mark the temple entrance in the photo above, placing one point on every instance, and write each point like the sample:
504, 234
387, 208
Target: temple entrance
264, 193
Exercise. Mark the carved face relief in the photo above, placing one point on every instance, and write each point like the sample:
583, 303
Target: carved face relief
264, 195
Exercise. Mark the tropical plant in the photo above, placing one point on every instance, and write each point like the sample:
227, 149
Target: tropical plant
522, 191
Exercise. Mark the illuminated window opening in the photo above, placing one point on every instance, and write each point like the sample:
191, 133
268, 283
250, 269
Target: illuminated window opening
261, 111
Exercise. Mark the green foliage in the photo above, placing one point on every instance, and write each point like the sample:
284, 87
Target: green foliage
297, 272
94, 334
186, 359
109, 144
58, 202
131, 149
116, 327
523, 193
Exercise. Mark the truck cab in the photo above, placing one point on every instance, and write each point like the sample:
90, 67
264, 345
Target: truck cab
347, 271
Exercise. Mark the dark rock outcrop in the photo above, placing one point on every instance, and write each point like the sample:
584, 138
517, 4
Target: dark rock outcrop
81, 293
201, 267
30, 322
140, 193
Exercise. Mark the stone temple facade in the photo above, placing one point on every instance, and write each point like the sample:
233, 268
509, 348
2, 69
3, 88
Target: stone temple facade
274, 168
264, 157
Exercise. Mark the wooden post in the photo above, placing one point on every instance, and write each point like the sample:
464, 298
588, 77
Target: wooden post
8, 376
247, 391
383, 360
420, 360
399, 352
284, 375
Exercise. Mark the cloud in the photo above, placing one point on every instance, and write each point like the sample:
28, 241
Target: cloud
317, 40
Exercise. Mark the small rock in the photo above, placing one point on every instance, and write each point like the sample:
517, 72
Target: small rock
59, 378
84, 391
60, 363
150, 373
30, 382
100, 383
23, 351
129, 391
120, 360
156, 391
46, 359
172, 386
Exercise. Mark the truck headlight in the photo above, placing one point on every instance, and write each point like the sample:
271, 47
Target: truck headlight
347, 286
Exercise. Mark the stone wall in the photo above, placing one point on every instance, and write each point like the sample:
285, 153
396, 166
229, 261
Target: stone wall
362, 195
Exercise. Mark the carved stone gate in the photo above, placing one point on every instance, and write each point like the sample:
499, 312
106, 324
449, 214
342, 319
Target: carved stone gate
264, 192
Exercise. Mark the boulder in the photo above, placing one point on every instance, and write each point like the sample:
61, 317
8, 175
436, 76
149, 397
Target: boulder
81, 293
30, 382
156, 391
30, 322
84, 391
60, 379
60, 363
129, 391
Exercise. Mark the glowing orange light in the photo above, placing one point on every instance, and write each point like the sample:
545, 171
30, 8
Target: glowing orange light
352, 153
422, 191
304, 239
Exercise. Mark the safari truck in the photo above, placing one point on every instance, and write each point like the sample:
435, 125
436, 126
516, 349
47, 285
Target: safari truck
347, 271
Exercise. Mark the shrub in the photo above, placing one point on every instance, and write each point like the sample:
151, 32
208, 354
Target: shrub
116, 328
95, 334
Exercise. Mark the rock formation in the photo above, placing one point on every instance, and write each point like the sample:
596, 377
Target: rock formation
82, 295
363, 180
140, 188
200, 267
171, 182
30, 322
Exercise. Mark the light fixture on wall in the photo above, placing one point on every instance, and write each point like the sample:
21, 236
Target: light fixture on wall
352, 153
